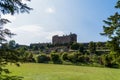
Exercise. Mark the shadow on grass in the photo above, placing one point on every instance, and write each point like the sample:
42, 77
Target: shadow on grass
5, 77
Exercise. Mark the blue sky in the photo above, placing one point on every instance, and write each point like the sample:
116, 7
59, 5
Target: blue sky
60, 17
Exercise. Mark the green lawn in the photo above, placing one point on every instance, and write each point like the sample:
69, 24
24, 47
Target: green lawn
32, 71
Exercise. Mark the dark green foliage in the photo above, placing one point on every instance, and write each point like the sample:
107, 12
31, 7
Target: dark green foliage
101, 46
87, 58
76, 57
5, 77
113, 45
13, 6
111, 60
81, 48
92, 48
12, 44
72, 57
111, 29
28, 57
84, 59
55, 57
75, 46
10, 7
42, 58
81, 59
64, 56
21, 51
8, 55
35, 48
4, 33
95, 59
118, 4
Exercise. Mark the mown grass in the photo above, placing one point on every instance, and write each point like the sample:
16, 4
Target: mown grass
34, 71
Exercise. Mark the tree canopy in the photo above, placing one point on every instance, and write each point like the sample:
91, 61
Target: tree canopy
8, 55
13, 6
10, 7
111, 29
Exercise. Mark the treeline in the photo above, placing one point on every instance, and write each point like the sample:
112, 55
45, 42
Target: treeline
93, 54
73, 46
91, 47
75, 58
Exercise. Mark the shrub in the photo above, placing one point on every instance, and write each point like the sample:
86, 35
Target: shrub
94, 59
73, 57
81, 59
84, 59
75, 46
42, 58
56, 58
87, 58
27, 57
109, 60
64, 56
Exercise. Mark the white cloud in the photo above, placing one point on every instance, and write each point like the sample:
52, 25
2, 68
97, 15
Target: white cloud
9, 17
25, 1
50, 10
50, 34
33, 34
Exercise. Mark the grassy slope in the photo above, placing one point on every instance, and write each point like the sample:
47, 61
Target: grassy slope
64, 72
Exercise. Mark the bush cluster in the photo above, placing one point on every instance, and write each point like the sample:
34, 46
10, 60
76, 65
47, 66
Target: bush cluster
111, 60
42, 58
107, 60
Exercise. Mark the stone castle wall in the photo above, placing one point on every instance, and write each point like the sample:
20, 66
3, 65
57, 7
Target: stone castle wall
64, 39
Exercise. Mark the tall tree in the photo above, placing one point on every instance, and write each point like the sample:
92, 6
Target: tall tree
111, 29
8, 55
10, 7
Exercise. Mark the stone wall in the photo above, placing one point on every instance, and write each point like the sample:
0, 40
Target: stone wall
64, 39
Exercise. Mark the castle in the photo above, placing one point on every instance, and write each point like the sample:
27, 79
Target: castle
65, 39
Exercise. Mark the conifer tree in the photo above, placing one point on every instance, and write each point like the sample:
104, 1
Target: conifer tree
7, 55
111, 29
